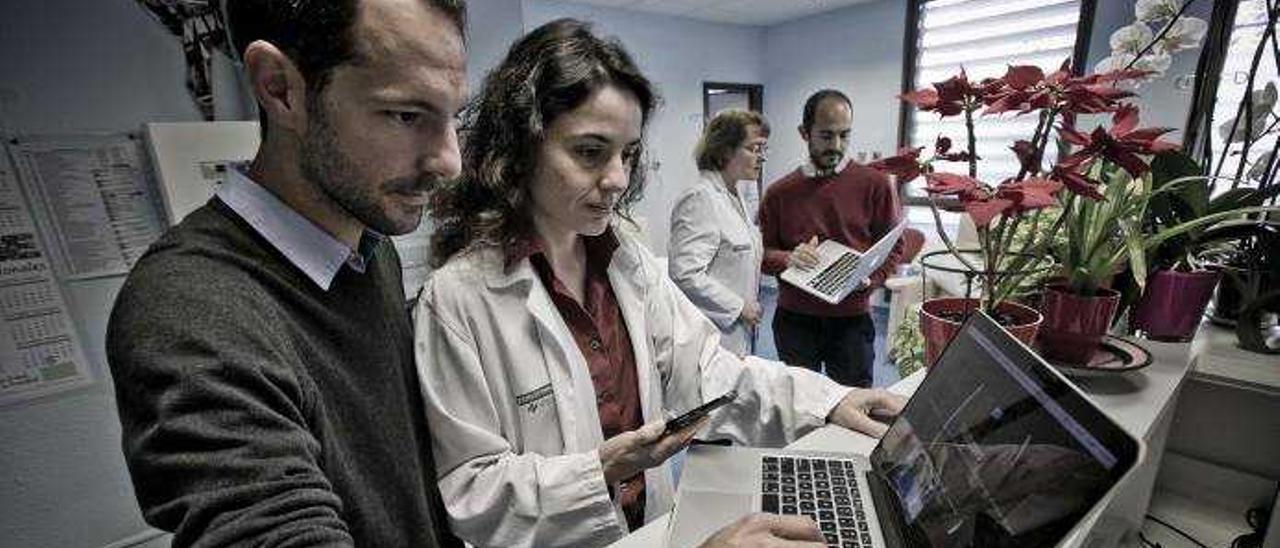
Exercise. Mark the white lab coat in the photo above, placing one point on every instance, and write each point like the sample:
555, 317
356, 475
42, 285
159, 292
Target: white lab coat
512, 409
714, 256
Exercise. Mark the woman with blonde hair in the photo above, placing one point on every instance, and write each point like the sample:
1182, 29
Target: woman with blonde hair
715, 249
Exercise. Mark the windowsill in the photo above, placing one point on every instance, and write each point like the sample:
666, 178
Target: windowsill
1225, 363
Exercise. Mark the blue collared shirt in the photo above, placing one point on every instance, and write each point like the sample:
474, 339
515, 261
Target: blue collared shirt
315, 252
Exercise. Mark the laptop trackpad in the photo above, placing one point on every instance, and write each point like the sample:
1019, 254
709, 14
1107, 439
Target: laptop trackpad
706, 512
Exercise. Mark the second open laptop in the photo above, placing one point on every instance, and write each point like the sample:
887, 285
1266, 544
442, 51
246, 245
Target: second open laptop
841, 269
994, 449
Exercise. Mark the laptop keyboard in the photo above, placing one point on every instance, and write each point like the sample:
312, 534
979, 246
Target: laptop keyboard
834, 277
823, 489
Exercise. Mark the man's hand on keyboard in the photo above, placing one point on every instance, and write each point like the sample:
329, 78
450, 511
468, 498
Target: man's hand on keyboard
855, 410
767, 530
805, 255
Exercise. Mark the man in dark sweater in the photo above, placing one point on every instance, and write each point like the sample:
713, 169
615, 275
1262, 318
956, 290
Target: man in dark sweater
262, 350
828, 198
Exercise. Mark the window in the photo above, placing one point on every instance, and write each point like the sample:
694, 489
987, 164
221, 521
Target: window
1247, 31
984, 37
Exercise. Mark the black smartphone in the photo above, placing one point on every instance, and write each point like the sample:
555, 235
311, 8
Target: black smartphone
683, 421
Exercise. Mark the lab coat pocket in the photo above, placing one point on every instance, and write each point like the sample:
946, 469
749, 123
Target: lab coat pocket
536, 409
735, 242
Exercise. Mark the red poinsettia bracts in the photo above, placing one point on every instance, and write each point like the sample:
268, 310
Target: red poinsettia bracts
946, 184
1021, 90
1027, 88
948, 97
1123, 143
1029, 194
1028, 155
942, 151
1075, 182
905, 166
983, 203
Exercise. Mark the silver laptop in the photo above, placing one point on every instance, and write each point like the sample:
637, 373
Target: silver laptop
994, 449
841, 269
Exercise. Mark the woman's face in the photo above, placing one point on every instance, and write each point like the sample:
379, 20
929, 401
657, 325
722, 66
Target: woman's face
584, 165
747, 159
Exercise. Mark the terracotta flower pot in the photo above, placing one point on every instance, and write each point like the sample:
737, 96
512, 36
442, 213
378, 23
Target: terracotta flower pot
1074, 324
1172, 304
940, 319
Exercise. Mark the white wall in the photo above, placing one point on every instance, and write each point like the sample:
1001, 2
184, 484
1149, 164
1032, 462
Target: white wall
678, 55
857, 50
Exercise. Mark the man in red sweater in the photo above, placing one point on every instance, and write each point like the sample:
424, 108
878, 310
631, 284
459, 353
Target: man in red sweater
827, 198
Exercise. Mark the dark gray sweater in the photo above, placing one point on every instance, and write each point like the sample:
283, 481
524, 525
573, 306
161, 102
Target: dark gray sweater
261, 410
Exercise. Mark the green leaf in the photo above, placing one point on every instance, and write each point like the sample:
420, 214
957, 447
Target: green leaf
1169, 166
1170, 232
1237, 198
1231, 231
1137, 255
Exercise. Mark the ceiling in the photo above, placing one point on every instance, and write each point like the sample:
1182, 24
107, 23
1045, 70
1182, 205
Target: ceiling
738, 12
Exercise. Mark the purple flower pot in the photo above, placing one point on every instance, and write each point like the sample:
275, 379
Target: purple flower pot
1074, 324
1172, 304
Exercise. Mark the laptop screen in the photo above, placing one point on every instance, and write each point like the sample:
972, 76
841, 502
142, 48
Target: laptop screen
996, 450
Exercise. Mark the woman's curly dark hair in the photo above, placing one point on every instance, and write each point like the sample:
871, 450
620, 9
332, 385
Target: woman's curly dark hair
548, 72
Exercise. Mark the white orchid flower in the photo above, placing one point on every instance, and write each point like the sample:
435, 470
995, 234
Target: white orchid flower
1155, 10
1131, 38
1155, 61
1113, 62
1185, 33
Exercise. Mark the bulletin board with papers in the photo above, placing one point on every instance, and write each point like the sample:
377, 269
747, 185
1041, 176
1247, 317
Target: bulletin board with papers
94, 196
40, 353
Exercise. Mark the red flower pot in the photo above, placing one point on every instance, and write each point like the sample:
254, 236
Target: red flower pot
1172, 304
1074, 324
940, 319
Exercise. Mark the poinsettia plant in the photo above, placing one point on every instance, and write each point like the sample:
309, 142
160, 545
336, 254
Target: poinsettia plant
999, 209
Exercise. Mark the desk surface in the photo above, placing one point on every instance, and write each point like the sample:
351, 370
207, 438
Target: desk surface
1141, 402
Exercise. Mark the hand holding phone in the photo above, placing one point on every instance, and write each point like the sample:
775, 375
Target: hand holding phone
684, 421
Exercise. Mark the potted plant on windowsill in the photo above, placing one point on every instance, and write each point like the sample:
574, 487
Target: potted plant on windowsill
1185, 270
1100, 194
1004, 209
1105, 236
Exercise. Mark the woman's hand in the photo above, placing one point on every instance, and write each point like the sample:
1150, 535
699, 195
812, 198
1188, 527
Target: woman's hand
855, 410
751, 313
630, 453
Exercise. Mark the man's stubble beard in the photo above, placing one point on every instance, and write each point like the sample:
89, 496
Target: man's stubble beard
325, 164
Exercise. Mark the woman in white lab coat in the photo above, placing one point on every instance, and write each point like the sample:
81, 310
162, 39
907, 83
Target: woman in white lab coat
715, 249
550, 344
